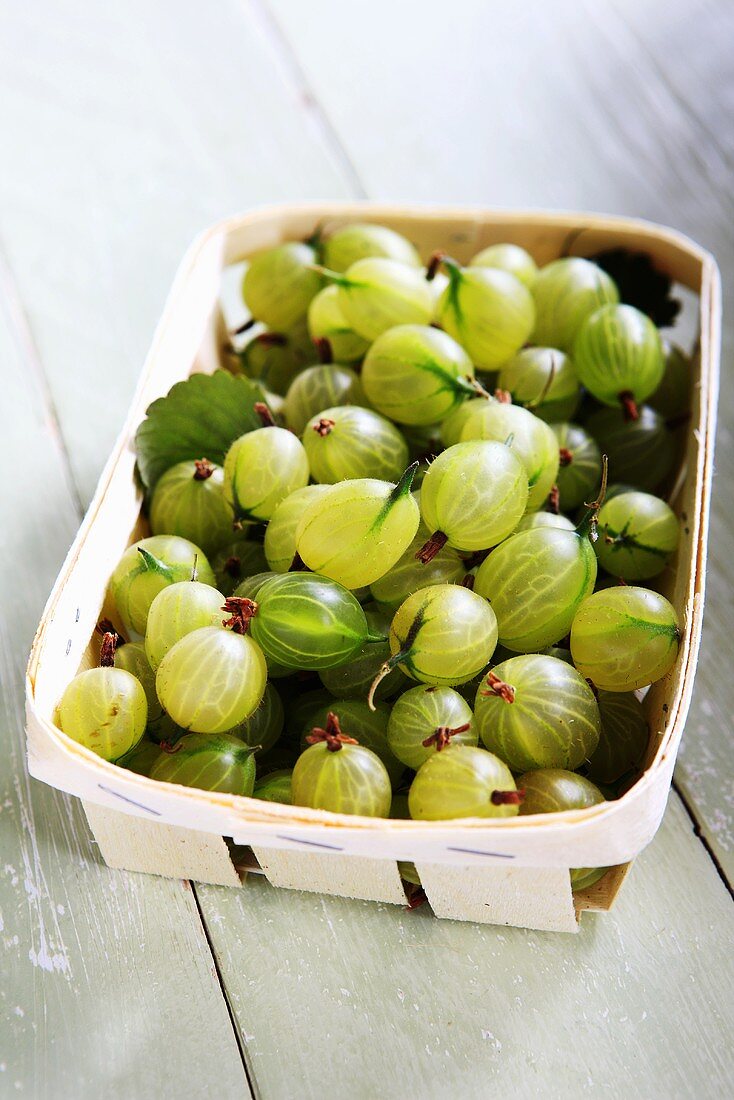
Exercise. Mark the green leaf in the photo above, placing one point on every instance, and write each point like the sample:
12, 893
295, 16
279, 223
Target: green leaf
198, 418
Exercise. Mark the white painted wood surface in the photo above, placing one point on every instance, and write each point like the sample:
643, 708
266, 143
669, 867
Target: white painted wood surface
124, 130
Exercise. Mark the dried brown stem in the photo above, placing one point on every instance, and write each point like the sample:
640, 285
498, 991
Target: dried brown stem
331, 734
441, 737
498, 687
433, 546
203, 469
629, 406
240, 611
324, 426
265, 414
109, 645
507, 798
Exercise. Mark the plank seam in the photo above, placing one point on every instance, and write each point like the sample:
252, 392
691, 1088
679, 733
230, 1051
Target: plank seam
239, 1038
313, 107
699, 834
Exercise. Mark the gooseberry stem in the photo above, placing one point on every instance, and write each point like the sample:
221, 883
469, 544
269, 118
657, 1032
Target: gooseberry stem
589, 521
109, 645
324, 426
384, 670
554, 500
233, 568
441, 737
240, 611
507, 798
406, 480
153, 564
323, 350
272, 339
105, 626
442, 259
433, 546
332, 734
333, 276
244, 327
265, 414
498, 687
203, 469
629, 405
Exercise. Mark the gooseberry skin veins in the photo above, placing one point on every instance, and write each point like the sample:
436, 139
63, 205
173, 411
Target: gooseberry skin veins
368, 727
350, 243
350, 442
279, 284
357, 531
528, 437
275, 787
566, 292
553, 721
194, 508
638, 533
418, 713
641, 452
443, 635
105, 710
459, 782
261, 469
624, 638
416, 374
323, 386
265, 725
475, 493
280, 534
552, 790
376, 294
175, 612
211, 763
408, 575
352, 780
578, 480
211, 680
327, 322
543, 379
305, 621
488, 311
617, 352
138, 578
510, 258
535, 581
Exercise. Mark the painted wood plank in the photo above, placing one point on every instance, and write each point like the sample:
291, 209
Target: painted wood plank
623, 107
340, 998
108, 984
147, 125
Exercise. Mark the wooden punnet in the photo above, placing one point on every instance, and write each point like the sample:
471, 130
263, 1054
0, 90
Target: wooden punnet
507, 871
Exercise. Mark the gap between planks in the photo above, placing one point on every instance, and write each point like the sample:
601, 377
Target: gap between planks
20, 329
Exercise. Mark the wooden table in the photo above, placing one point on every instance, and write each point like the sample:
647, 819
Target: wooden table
125, 129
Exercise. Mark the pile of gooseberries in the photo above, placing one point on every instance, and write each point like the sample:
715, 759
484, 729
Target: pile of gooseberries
416, 589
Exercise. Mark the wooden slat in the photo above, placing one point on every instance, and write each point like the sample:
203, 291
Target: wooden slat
101, 970
622, 107
341, 998
137, 844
